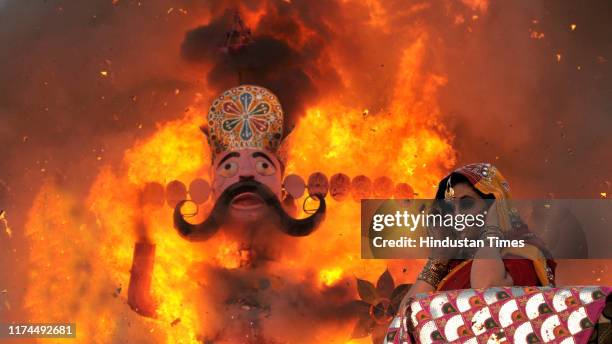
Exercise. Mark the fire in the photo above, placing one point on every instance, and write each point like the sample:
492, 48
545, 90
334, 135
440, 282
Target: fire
83, 252
228, 254
330, 276
162, 157
420, 144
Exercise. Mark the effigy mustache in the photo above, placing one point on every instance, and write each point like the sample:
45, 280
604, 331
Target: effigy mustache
283, 221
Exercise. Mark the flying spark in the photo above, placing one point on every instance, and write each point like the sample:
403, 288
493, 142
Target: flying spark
4, 222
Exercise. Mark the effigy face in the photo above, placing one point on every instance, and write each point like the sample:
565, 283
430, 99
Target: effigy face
244, 132
245, 129
249, 164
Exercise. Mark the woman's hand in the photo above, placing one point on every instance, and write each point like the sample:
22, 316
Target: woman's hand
488, 269
492, 218
440, 233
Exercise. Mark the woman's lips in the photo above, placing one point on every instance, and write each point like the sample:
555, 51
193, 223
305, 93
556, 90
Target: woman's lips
247, 201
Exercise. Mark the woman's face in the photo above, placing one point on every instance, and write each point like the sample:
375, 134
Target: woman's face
467, 201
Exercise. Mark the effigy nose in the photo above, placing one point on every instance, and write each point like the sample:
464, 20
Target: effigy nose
246, 177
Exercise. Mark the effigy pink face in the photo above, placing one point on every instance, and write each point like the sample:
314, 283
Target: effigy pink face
242, 165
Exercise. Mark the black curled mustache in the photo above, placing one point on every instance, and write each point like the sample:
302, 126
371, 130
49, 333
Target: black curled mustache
284, 222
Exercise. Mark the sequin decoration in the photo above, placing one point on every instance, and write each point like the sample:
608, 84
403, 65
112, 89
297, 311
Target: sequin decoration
506, 314
246, 116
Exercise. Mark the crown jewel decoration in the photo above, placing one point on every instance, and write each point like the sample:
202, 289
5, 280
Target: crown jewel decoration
246, 116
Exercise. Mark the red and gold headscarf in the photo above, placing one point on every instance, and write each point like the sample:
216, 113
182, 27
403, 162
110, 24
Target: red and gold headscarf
487, 179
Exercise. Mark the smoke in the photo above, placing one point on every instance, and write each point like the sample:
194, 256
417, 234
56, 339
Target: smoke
269, 302
532, 95
267, 61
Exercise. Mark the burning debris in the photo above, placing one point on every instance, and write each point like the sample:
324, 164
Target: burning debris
4, 224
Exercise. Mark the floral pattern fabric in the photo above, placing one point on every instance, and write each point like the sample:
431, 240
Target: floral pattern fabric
497, 315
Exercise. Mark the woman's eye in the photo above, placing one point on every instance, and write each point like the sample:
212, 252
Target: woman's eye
466, 203
264, 167
228, 169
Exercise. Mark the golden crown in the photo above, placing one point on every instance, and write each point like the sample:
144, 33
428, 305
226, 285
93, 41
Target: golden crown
245, 116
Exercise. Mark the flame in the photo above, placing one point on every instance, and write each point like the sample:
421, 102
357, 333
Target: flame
421, 144
81, 253
330, 276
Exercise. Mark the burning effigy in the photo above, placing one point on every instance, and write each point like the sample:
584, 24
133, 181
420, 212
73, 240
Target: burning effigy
265, 284
253, 205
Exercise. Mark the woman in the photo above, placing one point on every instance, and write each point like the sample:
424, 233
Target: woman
485, 312
474, 189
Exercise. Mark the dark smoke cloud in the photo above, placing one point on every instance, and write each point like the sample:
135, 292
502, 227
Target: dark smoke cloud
267, 61
270, 304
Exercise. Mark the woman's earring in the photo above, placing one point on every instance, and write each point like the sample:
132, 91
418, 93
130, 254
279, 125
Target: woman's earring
449, 193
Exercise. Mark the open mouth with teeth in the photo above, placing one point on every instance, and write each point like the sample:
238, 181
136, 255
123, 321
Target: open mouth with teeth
247, 201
